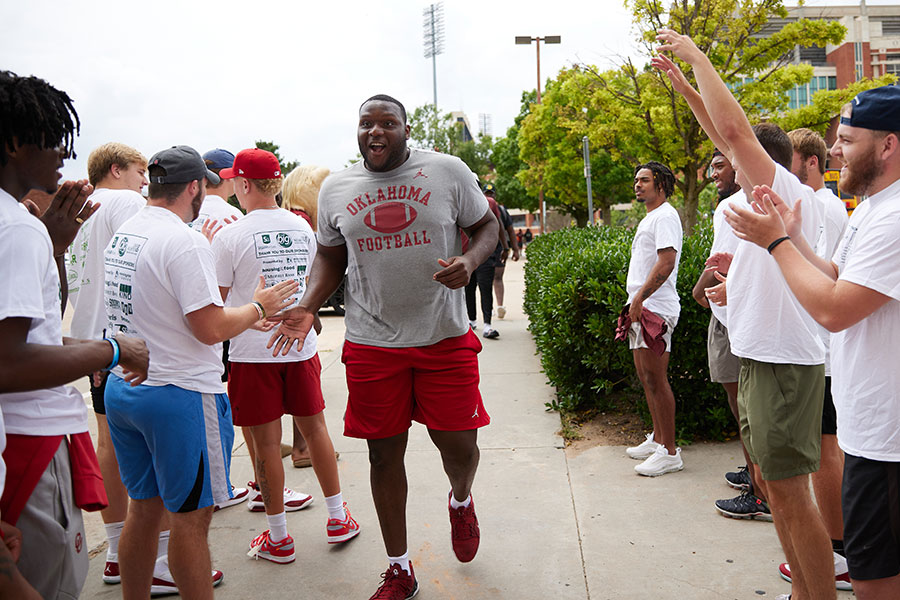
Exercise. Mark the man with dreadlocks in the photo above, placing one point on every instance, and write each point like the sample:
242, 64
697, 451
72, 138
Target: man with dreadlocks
46, 422
650, 284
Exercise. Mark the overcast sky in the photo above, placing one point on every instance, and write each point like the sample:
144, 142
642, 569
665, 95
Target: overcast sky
224, 74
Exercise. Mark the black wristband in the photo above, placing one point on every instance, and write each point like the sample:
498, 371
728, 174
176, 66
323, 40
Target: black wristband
774, 244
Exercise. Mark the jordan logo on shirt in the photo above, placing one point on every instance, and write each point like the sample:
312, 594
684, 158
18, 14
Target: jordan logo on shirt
420, 174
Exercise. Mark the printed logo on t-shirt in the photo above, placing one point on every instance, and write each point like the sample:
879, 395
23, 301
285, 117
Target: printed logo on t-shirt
283, 255
847, 245
390, 211
120, 262
420, 174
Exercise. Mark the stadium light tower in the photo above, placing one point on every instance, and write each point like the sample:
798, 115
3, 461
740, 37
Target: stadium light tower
433, 25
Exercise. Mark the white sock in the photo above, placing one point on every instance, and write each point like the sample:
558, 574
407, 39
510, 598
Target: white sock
487, 327
472, 324
277, 526
402, 561
335, 505
162, 554
113, 532
455, 504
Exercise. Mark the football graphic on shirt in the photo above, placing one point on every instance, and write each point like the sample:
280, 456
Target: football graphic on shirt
390, 217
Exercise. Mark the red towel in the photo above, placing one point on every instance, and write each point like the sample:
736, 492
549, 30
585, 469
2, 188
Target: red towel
652, 327
26, 458
87, 483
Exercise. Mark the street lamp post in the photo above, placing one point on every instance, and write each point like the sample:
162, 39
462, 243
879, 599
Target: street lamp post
526, 40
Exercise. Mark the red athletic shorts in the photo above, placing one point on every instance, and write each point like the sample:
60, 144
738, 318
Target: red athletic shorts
262, 392
436, 385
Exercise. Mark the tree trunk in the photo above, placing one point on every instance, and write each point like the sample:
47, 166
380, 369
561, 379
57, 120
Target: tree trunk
691, 199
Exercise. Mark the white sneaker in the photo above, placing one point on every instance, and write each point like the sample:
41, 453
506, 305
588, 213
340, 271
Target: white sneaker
501, 312
660, 463
238, 495
644, 449
293, 500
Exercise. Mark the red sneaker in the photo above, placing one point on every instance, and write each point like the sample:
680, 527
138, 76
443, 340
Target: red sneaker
279, 552
341, 531
397, 584
164, 584
111, 572
464, 532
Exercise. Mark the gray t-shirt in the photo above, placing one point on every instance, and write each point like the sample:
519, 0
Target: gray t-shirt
396, 225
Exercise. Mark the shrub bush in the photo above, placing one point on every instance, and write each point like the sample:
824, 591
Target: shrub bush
574, 290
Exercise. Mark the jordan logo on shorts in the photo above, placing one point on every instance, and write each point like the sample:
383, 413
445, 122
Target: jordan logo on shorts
475, 416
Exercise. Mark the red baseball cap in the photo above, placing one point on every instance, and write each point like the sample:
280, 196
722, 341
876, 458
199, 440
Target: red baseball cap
253, 163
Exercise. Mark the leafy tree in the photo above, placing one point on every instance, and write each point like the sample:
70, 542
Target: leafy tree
430, 130
636, 116
507, 164
551, 146
286, 166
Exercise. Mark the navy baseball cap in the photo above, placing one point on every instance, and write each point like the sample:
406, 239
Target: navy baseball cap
219, 159
878, 109
488, 188
182, 164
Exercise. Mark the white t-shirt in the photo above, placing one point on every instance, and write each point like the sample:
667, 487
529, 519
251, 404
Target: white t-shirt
724, 240
84, 260
765, 321
214, 208
157, 271
827, 240
30, 290
865, 380
278, 245
660, 229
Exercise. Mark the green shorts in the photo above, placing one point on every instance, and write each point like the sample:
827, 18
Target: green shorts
780, 410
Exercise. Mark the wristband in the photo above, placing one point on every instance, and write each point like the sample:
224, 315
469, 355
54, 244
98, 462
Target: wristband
774, 244
259, 309
115, 359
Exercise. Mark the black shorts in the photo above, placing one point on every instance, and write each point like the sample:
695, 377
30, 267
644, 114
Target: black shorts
97, 393
829, 416
870, 499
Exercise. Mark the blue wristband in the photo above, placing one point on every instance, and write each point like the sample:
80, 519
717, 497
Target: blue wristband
115, 359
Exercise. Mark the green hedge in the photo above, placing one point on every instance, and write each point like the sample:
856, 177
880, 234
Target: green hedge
574, 290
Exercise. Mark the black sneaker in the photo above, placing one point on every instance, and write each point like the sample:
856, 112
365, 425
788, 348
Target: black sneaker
492, 334
740, 479
745, 506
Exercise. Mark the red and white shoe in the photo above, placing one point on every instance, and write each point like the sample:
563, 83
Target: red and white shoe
111, 570
238, 495
841, 574
341, 531
293, 500
164, 583
279, 552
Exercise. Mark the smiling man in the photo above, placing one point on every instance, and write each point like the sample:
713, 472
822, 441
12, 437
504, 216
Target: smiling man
393, 222
856, 295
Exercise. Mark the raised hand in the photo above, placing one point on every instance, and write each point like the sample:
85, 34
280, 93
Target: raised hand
665, 64
69, 209
680, 45
762, 225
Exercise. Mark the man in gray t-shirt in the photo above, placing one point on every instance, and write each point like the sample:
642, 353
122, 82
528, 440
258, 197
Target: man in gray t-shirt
393, 222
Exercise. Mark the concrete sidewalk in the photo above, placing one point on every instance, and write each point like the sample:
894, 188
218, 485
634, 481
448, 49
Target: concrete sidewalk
554, 524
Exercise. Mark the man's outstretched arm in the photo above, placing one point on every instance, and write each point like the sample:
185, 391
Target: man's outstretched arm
325, 276
726, 114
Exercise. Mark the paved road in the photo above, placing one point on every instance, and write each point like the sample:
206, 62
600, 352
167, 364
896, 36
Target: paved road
554, 524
